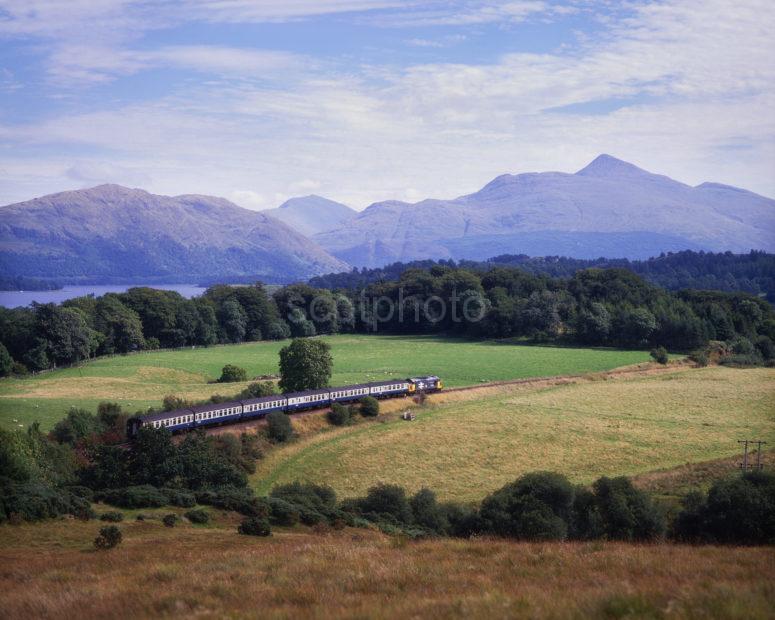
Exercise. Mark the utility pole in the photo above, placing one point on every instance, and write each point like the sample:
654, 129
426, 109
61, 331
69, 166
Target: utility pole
759, 443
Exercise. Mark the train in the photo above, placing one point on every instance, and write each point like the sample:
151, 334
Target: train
203, 416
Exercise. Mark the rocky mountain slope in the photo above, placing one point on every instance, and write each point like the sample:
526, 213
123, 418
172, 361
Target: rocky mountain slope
113, 232
609, 208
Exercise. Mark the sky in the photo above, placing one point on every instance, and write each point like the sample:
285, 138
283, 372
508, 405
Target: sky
366, 100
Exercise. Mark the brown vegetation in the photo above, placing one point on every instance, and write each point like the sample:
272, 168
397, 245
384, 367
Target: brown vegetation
50, 570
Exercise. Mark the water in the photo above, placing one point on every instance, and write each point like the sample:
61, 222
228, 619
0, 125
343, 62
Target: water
13, 299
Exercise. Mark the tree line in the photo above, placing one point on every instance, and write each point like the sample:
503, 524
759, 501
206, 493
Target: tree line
600, 307
752, 273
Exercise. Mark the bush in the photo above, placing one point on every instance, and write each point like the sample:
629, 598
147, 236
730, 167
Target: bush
387, 500
232, 374
110, 536
741, 360
306, 496
113, 516
535, 507
738, 510
237, 500
258, 390
141, 496
283, 513
279, 426
700, 358
176, 497
33, 501
339, 415
616, 510
660, 355
170, 520
198, 516
369, 407
427, 512
255, 526
278, 330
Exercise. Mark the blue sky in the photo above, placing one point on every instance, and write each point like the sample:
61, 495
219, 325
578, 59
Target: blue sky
365, 100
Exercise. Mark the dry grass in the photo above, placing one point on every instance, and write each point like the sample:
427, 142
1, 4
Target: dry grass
51, 571
467, 444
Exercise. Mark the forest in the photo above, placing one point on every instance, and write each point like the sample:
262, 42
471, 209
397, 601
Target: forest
596, 307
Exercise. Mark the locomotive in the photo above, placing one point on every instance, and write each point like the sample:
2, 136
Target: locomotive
203, 416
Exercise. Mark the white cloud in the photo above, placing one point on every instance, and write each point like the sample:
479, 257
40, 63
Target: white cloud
442, 129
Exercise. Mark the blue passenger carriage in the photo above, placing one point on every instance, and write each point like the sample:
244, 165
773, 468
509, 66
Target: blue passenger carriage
309, 399
259, 407
349, 392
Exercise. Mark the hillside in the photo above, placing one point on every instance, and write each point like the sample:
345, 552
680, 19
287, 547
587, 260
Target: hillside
312, 214
111, 231
609, 208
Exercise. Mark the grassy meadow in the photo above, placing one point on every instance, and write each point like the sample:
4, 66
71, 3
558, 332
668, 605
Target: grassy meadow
464, 445
142, 380
51, 570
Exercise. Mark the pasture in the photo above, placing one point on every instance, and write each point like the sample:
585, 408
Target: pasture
50, 570
141, 380
467, 444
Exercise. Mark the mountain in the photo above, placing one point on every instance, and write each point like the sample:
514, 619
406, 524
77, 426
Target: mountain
609, 208
112, 232
312, 214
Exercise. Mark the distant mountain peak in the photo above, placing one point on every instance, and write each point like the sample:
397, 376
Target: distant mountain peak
608, 166
311, 214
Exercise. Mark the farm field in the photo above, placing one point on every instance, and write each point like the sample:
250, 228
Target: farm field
50, 570
467, 444
142, 380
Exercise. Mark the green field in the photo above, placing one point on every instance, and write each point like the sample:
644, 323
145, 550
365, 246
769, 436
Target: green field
468, 444
142, 380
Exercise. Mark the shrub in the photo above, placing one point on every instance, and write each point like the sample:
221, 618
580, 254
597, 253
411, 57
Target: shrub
738, 510
741, 360
700, 358
312, 497
278, 330
283, 513
279, 426
141, 496
339, 414
170, 520
198, 516
617, 510
258, 390
387, 500
427, 512
113, 516
33, 501
255, 526
110, 536
176, 497
232, 374
369, 407
237, 500
537, 506
660, 355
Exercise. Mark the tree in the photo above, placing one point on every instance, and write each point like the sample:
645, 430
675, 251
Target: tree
427, 511
625, 513
154, 458
233, 320
305, 365
258, 390
120, 326
537, 506
6, 362
660, 355
369, 407
232, 374
387, 500
279, 426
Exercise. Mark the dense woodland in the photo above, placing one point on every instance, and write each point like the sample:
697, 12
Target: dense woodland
599, 307
752, 273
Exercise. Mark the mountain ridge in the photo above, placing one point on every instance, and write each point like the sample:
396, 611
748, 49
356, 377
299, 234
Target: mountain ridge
609, 200
113, 231
312, 214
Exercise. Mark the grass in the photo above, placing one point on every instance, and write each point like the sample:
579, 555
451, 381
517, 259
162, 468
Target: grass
466, 444
142, 380
51, 570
